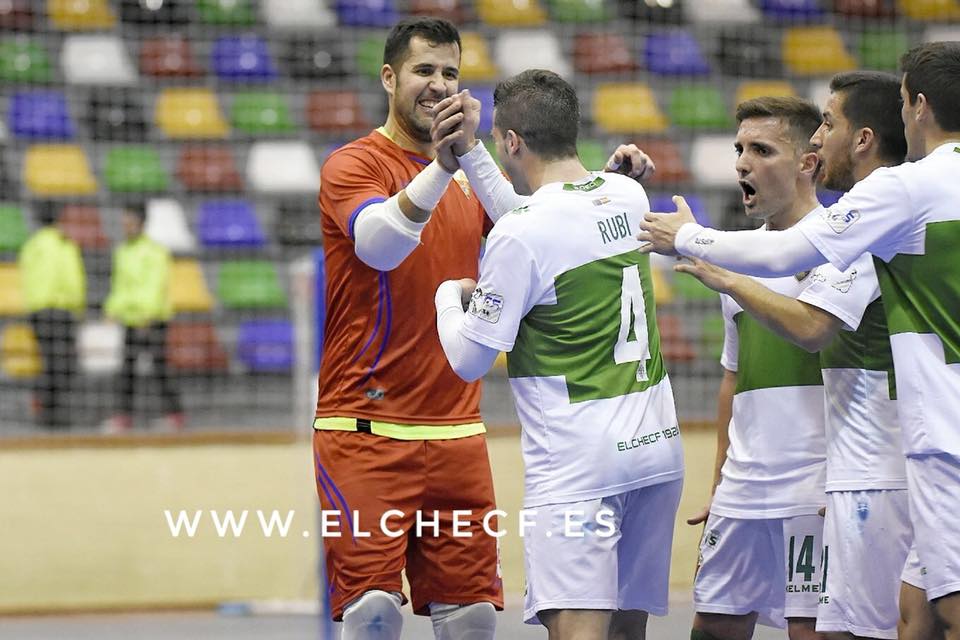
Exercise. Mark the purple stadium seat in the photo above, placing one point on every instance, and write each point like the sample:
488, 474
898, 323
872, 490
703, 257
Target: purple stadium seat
791, 10
367, 13
674, 53
485, 96
40, 115
242, 58
266, 345
828, 198
663, 203
229, 223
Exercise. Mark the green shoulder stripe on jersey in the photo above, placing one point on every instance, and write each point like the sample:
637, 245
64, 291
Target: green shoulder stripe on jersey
586, 186
767, 361
866, 348
577, 336
922, 293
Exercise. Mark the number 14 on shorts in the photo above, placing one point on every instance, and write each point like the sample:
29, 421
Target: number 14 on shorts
801, 568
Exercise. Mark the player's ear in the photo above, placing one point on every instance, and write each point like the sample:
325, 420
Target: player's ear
922, 107
809, 163
864, 140
512, 142
388, 79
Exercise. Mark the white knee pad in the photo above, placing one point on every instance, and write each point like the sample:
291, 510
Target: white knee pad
373, 616
463, 622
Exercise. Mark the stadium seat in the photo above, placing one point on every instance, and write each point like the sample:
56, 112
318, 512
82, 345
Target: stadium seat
169, 57
721, 11
19, 352
827, 197
603, 52
578, 11
11, 294
370, 55
698, 107
134, 169
250, 284
627, 108
235, 13
750, 89
58, 170
711, 336
671, 168
662, 291
116, 115
663, 203
282, 167
934, 10
193, 347
673, 340
674, 53
17, 15
713, 161
456, 11
336, 111
652, 12
298, 224
865, 8
791, 10
367, 13
13, 227
188, 287
810, 51
941, 33
266, 346
70, 15
818, 92
167, 224
748, 52
100, 347
229, 224
315, 58
40, 115
190, 113
96, 60
881, 48
297, 14
242, 58
593, 154
511, 13
259, 113
24, 61
475, 63
167, 14
686, 287
208, 169
517, 51
82, 224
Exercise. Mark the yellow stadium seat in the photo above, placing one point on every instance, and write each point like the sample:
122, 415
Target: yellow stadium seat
58, 170
750, 89
188, 288
500, 364
190, 113
627, 108
511, 13
811, 51
11, 296
930, 9
475, 63
19, 352
662, 291
79, 15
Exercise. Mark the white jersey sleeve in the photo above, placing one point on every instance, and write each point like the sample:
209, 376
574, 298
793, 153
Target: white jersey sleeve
843, 294
872, 217
731, 343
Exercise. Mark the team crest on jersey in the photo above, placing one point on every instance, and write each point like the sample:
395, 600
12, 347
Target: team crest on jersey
486, 305
844, 284
840, 221
599, 202
461, 179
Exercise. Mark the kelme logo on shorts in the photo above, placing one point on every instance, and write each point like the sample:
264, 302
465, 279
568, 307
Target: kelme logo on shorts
712, 537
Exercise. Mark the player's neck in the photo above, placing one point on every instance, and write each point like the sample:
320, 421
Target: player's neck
394, 132
863, 169
563, 170
801, 207
937, 137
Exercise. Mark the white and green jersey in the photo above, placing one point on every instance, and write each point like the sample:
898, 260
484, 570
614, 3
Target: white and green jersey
909, 217
864, 442
564, 290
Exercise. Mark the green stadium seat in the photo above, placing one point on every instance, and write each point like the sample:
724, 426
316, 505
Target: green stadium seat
13, 227
235, 13
259, 113
250, 284
24, 61
698, 107
711, 337
134, 169
579, 11
687, 287
593, 154
881, 49
370, 55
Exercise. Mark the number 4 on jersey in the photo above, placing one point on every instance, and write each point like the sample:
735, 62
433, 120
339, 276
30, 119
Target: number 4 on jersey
633, 322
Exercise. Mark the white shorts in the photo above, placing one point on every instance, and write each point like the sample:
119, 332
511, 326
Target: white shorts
934, 485
623, 564
768, 566
866, 537
913, 570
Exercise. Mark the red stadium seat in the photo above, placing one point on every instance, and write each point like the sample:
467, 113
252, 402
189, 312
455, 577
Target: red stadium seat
82, 224
671, 168
335, 111
603, 53
194, 347
208, 168
168, 57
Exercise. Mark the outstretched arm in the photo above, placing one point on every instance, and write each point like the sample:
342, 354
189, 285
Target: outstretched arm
469, 359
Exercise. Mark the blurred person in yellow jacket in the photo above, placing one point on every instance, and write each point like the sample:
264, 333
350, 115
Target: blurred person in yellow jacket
55, 293
140, 300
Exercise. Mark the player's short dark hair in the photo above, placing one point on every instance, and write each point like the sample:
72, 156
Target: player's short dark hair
46, 212
871, 99
933, 69
433, 30
801, 116
542, 108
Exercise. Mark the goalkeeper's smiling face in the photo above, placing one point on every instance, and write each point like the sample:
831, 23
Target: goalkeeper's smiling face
428, 74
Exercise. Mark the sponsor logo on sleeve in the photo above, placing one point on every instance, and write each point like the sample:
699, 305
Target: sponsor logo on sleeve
840, 221
843, 284
486, 305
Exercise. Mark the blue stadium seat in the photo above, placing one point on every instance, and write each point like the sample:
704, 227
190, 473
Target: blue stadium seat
229, 223
40, 115
367, 13
266, 345
791, 10
662, 202
242, 58
828, 198
674, 53
485, 96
